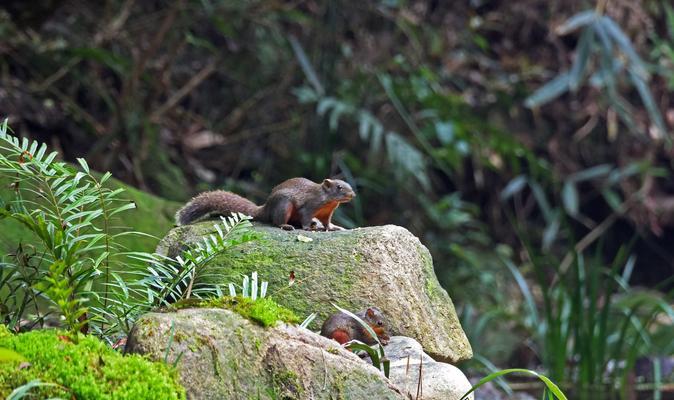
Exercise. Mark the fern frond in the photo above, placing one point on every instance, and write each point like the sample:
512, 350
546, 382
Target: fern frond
169, 279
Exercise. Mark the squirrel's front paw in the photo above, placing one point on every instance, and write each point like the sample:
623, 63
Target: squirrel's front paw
333, 227
287, 227
315, 225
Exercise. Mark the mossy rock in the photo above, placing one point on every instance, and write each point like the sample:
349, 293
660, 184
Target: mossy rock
384, 266
221, 355
88, 369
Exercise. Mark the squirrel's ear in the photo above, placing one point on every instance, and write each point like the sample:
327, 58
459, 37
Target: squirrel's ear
370, 312
328, 183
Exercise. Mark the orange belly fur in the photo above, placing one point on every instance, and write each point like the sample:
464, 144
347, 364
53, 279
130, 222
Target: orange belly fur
324, 212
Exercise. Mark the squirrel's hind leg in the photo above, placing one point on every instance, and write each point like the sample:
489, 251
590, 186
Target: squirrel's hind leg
281, 214
308, 222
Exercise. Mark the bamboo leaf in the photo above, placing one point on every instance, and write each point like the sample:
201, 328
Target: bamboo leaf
597, 171
624, 44
649, 103
514, 186
582, 55
307, 68
549, 91
570, 198
550, 232
578, 20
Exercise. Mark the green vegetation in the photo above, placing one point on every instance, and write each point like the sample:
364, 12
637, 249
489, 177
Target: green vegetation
551, 390
527, 145
69, 214
76, 262
573, 319
153, 216
88, 369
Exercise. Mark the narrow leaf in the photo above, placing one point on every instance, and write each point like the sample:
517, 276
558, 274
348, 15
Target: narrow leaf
581, 19
570, 198
514, 186
549, 91
84, 164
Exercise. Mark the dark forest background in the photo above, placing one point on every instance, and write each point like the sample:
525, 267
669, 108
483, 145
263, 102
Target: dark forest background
513, 137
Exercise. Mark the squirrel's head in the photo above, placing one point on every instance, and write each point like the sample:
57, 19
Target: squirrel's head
338, 189
375, 318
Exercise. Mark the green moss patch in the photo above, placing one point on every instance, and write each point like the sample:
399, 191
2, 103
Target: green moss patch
264, 311
88, 369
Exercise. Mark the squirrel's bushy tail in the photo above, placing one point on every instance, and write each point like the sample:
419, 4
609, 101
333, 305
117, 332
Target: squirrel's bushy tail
210, 204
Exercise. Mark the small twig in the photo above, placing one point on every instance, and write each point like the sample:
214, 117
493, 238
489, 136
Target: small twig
586, 129
116, 24
188, 292
235, 116
257, 131
195, 81
109, 30
130, 85
419, 382
586, 241
51, 79
595, 233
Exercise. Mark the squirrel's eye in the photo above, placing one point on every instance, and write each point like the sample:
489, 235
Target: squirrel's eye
380, 323
339, 187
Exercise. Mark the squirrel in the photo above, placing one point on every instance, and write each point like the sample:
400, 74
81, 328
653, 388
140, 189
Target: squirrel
344, 328
295, 202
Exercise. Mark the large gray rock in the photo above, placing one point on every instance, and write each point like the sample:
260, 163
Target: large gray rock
383, 266
439, 381
220, 355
